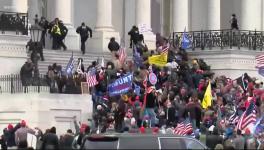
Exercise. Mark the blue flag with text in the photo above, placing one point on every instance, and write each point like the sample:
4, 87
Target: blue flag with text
121, 85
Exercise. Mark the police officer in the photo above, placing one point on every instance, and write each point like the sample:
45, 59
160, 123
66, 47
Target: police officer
44, 24
84, 32
58, 32
233, 21
134, 35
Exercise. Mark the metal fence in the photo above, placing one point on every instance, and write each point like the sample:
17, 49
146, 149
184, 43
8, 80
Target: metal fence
13, 84
250, 39
14, 21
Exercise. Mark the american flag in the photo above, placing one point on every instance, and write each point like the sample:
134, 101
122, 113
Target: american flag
248, 117
165, 50
184, 128
260, 61
122, 55
138, 61
91, 79
233, 119
70, 66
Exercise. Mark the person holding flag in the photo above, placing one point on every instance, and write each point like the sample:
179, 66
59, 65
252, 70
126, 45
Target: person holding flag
162, 59
207, 100
138, 61
122, 53
185, 42
70, 66
80, 67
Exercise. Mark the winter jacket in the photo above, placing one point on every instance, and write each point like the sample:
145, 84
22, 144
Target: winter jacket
113, 46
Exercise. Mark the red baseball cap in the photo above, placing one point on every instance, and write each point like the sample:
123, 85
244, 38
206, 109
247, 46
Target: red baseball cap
10, 127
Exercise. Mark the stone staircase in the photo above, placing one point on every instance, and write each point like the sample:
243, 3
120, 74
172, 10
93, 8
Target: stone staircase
62, 58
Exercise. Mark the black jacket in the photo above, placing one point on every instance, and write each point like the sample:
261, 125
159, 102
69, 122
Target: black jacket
66, 141
213, 140
84, 32
3, 142
44, 24
134, 34
113, 46
10, 136
151, 101
50, 141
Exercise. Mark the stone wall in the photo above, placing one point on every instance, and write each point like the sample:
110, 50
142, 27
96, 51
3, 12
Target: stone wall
45, 110
12, 53
229, 62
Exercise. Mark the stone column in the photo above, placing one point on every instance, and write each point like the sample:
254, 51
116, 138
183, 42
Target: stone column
20, 6
63, 9
143, 12
143, 16
33, 9
250, 15
180, 14
104, 15
214, 14
104, 29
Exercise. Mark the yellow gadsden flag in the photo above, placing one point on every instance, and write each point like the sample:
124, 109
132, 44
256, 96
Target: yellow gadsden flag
207, 100
160, 60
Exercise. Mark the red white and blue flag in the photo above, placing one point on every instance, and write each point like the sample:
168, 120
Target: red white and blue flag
165, 49
260, 64
184, 128
260, 61
91, 79
122, 55
234, 118
248, 117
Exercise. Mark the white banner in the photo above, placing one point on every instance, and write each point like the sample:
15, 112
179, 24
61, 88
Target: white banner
143, 28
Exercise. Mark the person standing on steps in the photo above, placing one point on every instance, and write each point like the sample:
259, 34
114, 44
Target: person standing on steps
44, 24
233, 22
113, 46
58, 32
134, 36
84, 32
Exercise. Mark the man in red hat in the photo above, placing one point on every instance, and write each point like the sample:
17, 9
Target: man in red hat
21, 135
10, 135
81, 132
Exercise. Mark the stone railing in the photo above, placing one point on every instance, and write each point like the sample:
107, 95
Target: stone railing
14, 21
223, 39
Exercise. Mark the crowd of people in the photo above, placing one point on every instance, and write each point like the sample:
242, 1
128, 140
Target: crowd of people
15, 137
177, 96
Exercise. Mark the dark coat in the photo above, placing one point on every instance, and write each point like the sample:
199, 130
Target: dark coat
44, 24
194, 110
66, 141
26, 73
213, 140
113, 46
64, 30
151, 101
10, 136
135, 36
50, 141
84, 32
3, 142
